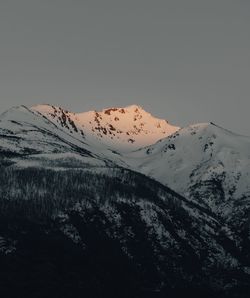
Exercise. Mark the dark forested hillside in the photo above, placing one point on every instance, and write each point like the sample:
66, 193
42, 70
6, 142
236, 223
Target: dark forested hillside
110, 232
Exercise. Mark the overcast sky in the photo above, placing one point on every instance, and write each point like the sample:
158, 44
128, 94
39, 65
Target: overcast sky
184, 60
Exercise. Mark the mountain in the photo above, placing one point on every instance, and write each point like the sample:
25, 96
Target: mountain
208, 165
203, 162
87, 212
118, 128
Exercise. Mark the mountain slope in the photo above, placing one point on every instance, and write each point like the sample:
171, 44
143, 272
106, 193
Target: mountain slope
114, 231
208, 165
30, 135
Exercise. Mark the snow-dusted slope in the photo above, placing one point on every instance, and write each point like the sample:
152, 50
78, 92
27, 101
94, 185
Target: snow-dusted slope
203, 162
122, 129
30, 138
22, 130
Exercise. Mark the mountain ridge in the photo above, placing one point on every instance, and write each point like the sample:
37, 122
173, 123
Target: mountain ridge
119, 128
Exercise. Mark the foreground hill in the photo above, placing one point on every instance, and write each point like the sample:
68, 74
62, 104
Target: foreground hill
110, 232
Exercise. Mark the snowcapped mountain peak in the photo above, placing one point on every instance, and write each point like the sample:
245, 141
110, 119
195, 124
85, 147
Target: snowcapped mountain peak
125, 128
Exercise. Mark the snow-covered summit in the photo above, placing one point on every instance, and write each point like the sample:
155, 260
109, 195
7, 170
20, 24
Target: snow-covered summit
127, 128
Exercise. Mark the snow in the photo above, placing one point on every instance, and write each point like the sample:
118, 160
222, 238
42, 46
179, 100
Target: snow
200, 152
58, 161
118, 128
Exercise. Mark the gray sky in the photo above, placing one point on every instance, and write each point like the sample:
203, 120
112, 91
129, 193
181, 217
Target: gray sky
184, 60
